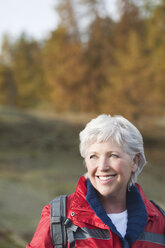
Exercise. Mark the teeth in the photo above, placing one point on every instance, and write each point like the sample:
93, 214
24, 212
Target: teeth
105, 178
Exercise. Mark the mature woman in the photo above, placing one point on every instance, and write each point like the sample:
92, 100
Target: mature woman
108, 208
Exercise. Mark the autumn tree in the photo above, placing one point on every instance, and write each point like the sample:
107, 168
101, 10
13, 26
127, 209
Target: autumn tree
28, 72
156, 50
130, 20
129, 91
64, 69
68, 18
94, 55
99, 58
8, 89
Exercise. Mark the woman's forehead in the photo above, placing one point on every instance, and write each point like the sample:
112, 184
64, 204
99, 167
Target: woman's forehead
109, 145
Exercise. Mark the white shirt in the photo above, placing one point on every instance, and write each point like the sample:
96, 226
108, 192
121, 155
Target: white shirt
120, 221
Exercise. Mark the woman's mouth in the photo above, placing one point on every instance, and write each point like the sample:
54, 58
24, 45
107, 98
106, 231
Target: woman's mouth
106, 179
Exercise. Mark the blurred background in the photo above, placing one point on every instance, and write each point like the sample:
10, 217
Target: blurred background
61, 64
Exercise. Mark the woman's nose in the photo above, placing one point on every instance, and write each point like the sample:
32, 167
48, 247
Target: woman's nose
103, 164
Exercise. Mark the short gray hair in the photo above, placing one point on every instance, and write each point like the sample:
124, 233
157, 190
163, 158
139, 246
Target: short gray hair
116, 128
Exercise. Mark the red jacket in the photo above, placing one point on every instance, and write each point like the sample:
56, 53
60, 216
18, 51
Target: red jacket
82, 215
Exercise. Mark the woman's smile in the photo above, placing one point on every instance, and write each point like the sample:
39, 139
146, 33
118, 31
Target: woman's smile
106, 179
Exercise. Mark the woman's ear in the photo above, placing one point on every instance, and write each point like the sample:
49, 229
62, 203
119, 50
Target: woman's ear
135, 162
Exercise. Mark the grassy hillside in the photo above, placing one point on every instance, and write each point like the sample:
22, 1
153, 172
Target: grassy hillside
39, 159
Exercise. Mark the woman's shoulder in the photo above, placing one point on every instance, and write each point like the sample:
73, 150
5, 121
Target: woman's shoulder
46, 210
152, 207
159, 208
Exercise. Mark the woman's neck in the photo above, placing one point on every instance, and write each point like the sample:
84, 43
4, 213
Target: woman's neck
114, 204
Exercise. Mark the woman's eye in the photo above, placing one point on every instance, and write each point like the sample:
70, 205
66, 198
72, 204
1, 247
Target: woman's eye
93, 156
113, 155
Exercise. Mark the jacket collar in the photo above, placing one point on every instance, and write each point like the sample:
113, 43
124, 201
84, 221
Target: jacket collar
137, 214
83, 213
88, 209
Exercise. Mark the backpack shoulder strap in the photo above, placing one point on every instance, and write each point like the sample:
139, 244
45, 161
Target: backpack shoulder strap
159, 208
58, 217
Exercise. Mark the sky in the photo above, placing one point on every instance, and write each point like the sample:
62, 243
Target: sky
35, 17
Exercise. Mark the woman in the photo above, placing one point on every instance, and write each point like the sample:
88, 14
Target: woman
108, 208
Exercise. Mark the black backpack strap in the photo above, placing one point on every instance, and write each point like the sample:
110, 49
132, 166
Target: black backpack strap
62, 228
158, 207
58, 217
71, 230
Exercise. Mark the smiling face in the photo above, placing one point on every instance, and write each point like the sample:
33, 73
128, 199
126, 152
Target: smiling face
109, 169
